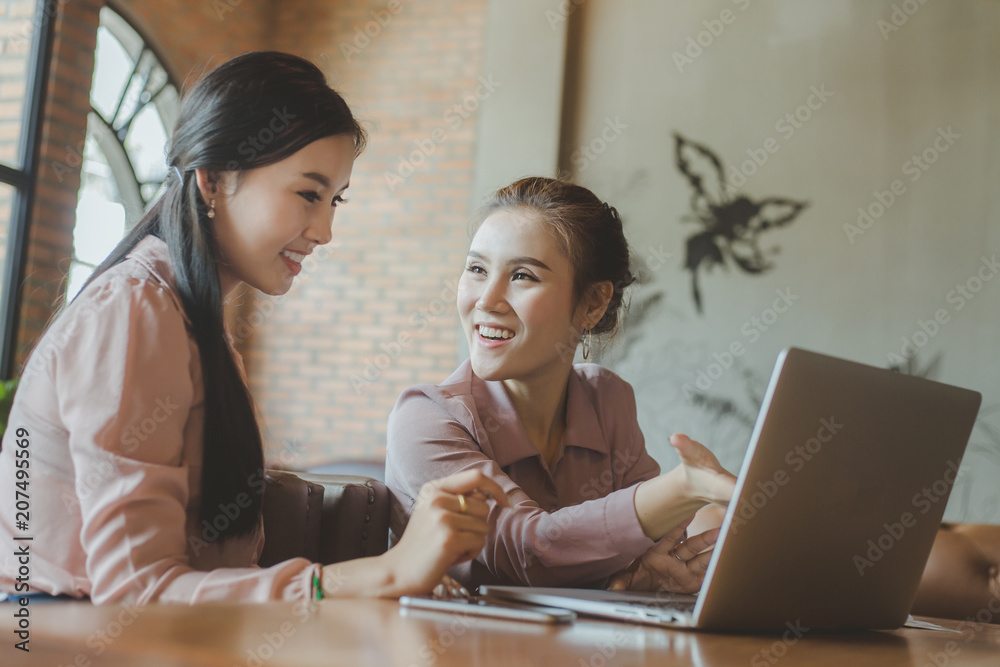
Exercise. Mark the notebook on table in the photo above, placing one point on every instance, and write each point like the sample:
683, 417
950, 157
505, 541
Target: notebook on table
836, 506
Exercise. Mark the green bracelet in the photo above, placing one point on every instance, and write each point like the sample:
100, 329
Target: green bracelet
317, 586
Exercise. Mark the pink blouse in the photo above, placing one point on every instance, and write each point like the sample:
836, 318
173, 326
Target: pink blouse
112, 404
573, 524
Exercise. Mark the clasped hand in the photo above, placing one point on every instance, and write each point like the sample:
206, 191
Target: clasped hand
676, 563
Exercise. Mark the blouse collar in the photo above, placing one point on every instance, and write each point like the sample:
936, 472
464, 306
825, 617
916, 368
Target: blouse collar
506, 431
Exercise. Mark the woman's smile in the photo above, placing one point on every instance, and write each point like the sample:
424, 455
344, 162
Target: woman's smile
492, 336
293, 261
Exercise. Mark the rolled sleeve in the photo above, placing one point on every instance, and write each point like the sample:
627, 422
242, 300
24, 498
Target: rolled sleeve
575, 545
621, 524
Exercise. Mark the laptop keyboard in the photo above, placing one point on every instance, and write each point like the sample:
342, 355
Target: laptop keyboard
678, 602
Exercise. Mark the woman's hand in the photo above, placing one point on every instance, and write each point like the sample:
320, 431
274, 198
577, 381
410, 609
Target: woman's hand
449, 589
674, 564
448, 526
668, 500
706, 479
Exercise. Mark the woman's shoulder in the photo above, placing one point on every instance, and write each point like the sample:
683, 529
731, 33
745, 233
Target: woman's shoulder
427, 401
133, 300
458, 384
148, 262
143, 278
124, 333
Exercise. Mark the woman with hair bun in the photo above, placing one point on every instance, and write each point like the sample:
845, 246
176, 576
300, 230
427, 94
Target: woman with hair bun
546, 271
133, 411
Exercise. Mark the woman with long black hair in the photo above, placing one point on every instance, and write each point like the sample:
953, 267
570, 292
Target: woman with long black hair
133, 410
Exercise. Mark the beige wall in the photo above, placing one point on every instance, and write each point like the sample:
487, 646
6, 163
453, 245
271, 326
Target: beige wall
879, 97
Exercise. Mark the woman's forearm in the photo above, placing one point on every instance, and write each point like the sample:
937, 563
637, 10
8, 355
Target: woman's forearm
372, 577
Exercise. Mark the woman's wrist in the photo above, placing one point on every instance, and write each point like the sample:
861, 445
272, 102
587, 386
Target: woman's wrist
374, 577
388, 584
664, 502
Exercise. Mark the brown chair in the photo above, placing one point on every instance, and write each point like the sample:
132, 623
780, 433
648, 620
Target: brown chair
325, 518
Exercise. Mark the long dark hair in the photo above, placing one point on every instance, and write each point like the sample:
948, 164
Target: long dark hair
249, 112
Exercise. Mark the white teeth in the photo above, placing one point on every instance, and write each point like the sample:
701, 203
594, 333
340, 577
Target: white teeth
489, 332
294, 256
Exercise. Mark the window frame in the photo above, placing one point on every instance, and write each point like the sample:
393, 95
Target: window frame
25, 181
108, 136
109, 128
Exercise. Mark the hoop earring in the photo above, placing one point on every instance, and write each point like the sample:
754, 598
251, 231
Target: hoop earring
211, 208
586, 344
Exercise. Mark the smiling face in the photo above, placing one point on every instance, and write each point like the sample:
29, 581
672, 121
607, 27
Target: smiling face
277, 214
516, 301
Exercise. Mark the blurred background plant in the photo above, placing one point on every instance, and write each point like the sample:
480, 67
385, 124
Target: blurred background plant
7, 389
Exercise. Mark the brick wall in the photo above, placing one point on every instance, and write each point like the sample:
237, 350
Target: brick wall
64, 127
191, 37
197, 37
375, 313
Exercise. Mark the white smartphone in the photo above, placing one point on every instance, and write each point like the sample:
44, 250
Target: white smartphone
479, 607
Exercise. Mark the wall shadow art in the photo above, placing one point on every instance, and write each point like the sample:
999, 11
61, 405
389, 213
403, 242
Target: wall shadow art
731, 222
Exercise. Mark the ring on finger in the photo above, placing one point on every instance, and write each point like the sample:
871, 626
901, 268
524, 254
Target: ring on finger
463, 505
677, 556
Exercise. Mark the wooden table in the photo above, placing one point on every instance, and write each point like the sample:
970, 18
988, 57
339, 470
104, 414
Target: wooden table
380, 633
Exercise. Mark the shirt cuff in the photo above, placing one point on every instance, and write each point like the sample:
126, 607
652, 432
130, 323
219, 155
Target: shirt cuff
621, 523
301, 586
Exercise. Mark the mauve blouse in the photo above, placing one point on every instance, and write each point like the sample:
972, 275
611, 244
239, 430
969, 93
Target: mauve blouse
112, 402
573, 524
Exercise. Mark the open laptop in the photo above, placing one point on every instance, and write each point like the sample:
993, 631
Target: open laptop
836, 507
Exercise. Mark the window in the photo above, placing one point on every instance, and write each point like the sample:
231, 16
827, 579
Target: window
25, 35
133, 109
